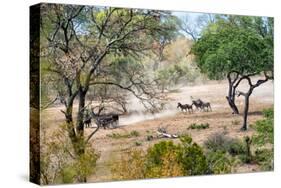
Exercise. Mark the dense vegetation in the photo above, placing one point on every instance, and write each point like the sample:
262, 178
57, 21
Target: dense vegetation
220, 154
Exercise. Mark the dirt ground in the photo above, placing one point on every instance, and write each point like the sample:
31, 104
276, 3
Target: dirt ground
219, 119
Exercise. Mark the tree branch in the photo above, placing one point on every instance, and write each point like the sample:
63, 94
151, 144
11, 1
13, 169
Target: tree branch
92, 134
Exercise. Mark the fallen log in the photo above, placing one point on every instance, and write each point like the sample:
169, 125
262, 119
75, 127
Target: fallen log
166, 135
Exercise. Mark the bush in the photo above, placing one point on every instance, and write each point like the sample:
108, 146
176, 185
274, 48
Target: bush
265, 158
76, 170
199, 126
58, 164
192, 158
157, 151
268, 113
169, 167
264, 129
220, 162
134, 133
216, 142
130, 166
126, 135
164, 159
220, 142
264, 139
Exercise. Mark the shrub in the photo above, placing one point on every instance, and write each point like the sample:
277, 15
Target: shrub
192, 158
164, 159
216, 142
264, 135
155, 153
268, 113
199, 126
130, 166
134, 133
58, 162
126, 135
169, 167
149, 137
265, 158
220, 142
235, 122
264, 129
235, 147
138, 143
220, 162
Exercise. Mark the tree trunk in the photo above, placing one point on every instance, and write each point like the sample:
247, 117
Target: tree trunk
81, 145
231, 99
246, 110
80, 114
77, 140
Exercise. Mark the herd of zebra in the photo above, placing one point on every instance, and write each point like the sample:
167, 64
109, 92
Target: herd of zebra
111, 120
199, 104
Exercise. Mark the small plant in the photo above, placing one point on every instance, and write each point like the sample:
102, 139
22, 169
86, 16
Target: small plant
264, 157
149, 137
247, 158
137, 143
235, 122
134, 133
199, 126
127, 135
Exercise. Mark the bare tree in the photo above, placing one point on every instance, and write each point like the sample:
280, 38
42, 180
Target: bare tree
248, 93
192, 26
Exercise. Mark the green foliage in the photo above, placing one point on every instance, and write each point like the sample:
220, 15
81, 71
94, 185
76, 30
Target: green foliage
130, 166
265, 158
164, 159
192, 158
220, 162
199, 126
264, 140
76, 170
268, 113
264, 129
172, 74
137, 143
133, 133
232, 46
189, 155
155, 153
60, 164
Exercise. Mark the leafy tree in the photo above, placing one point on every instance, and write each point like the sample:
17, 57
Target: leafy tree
77, 42
237, 47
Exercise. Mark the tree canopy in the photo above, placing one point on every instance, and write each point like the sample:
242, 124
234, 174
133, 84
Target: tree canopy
235, 43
